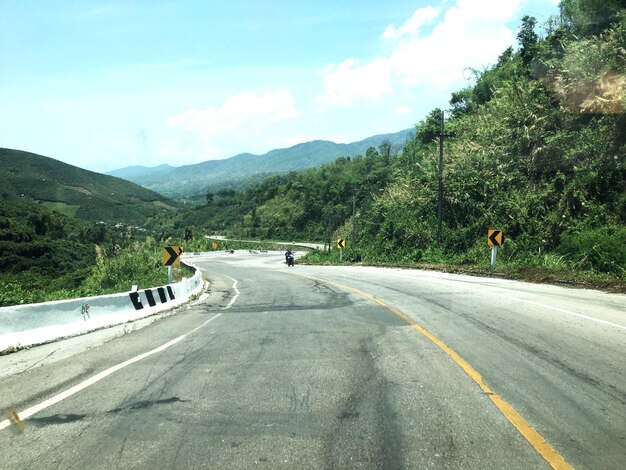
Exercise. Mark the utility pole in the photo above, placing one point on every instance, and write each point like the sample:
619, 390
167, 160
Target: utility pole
353, 217
442, 135
440, 206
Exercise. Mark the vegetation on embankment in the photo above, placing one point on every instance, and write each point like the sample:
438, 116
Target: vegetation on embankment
48, 256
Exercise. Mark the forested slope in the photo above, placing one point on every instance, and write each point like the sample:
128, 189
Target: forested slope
74, 191
537, 148
42, 251
49, 256
191, 182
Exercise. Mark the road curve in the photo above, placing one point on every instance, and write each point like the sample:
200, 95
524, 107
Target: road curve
332, 367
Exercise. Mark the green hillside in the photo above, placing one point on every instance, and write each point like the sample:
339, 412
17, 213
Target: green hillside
42, 251
49, 256
76, 192
536, 148
192, 182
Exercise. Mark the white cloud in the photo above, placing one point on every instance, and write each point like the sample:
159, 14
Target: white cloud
348, 82
470, 33
403, 111
210, 132
412, 26
237, 112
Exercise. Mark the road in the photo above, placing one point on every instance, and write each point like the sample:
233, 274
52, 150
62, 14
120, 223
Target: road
314, 246
333, 367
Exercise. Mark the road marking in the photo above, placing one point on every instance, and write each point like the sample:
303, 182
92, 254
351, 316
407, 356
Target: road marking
530, 434
234, 299
96, 378
538, 304
567, 312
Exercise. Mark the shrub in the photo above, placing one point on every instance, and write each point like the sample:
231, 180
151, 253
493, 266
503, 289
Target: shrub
139, 264
601, 249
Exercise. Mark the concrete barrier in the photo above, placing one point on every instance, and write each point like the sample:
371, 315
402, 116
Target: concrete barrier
30, 324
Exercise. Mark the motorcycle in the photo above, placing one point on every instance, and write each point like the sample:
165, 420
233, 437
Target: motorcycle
289, 257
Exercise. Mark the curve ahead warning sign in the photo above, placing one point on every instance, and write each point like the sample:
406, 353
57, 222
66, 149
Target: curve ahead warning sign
495, 238
171, 255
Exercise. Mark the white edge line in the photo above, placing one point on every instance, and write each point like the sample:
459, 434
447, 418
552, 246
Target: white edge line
556, 309
96, 378
447, 276
567, 312
234, 299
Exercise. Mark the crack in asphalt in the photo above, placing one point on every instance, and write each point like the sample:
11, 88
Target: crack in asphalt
65, 418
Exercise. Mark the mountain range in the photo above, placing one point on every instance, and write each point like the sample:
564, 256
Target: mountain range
76, 192
192, 182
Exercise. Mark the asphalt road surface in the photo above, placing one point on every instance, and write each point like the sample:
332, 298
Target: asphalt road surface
332, 367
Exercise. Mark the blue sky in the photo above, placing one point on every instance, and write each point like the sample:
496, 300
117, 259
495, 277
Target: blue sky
108, 84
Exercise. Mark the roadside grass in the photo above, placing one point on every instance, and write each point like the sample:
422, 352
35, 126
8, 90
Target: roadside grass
138, 264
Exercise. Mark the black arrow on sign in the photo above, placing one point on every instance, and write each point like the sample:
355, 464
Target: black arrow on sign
173, 255
494, 237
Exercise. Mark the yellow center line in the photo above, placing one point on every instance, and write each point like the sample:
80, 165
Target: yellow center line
530, 434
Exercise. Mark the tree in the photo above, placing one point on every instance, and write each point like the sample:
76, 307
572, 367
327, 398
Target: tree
462, 102
527, 38
371, 152
590, 17
429, 129
385, 150
98, 232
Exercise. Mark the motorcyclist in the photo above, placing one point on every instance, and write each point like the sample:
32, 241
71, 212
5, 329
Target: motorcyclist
289, 257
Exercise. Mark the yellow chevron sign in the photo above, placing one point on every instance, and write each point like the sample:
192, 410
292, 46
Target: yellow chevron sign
171, 255
495, 238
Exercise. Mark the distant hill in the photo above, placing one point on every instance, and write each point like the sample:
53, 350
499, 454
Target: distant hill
75, 192
138, 171
193, 181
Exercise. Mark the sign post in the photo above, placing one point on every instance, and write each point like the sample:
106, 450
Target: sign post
341, 244
171, 257
494, 253
494, 240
